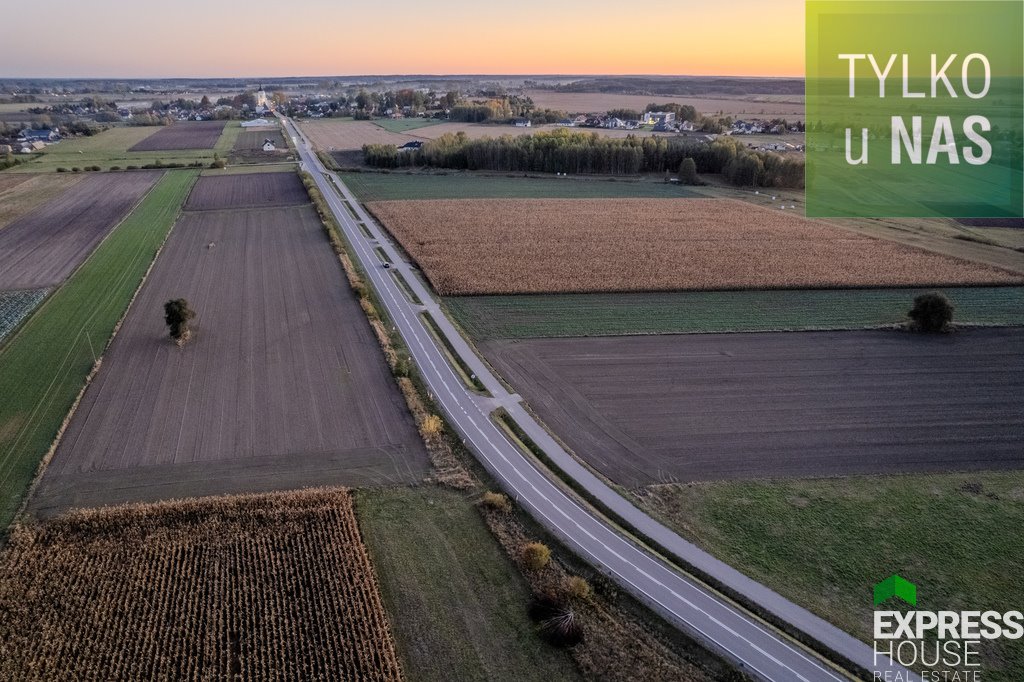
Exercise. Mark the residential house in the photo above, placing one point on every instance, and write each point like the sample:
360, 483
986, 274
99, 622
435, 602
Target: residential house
655, 117
268, 145
522, 122
29, 135
410, 146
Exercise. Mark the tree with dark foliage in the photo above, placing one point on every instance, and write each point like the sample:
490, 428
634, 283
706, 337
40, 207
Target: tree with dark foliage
177, 315
932, 312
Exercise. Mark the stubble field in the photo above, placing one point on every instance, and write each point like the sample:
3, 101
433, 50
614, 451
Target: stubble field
184, 135
562, 245
22, 193
253, 588
43, 247
704, 407
345, 135
282, 384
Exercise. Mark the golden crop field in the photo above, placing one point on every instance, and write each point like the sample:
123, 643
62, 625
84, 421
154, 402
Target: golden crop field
504, 246
253, 587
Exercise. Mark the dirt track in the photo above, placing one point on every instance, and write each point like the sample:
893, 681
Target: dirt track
645, 410
43, 247
212, 193
283, 384
184, 135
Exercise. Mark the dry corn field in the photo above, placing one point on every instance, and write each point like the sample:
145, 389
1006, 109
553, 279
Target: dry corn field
506, 246
260, 587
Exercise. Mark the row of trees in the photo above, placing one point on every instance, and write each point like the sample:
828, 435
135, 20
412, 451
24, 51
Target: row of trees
566, 151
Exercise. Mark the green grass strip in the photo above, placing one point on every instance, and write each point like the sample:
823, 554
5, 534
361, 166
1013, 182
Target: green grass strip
406, 289
531, 316
468, 377
43, 367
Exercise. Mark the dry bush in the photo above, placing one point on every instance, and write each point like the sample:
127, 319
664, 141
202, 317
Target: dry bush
498, 502
448, 470
257, 587
618, 645
431, 426
508, 246
577, 588
535, 555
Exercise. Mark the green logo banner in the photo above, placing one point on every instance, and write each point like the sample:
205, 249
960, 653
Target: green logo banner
915, 108
896, 586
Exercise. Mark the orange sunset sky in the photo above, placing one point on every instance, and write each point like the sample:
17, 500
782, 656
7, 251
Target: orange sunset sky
195, 38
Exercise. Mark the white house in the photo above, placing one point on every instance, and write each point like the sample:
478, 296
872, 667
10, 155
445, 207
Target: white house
268, 145
522, 123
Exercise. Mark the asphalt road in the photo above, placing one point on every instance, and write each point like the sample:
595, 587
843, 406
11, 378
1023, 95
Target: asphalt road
754, 648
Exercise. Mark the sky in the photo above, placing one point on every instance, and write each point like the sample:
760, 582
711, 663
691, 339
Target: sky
260, 38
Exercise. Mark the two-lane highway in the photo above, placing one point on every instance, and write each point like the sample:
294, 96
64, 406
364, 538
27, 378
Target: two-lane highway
752, 646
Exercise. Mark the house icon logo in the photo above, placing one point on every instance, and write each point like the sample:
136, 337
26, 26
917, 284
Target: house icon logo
896, 586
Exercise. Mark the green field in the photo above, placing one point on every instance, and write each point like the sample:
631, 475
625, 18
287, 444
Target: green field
110, 148
401, 185
43, 367
510, 317
825, 543
401, 125
457, 606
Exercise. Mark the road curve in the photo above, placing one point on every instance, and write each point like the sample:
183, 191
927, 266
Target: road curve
753, 647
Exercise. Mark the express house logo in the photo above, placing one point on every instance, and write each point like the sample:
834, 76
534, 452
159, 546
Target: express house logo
935, 645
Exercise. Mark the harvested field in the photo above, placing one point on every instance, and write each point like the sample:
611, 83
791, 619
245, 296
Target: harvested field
656, 409
337, 134
478, 130
44, 247
256, 190
249, 146
20, 194
565, 245
184, 135
15, 307
283, 384
254, 588
737, 107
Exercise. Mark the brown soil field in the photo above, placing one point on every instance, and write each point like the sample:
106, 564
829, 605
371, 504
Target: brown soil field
45, 246
184, 135
253, 588
506, 246
249, 146
221, 192
283, 384
337, 134
23, 192
660, 409
747, 107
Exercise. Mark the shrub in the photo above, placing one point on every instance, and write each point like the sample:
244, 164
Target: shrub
932, 312
115, 168
62, 169
368, 308
75, 169
177, 315
688, 172
558, 622
536, 555
94, 168
577, 588
431, 426
496, 501
131, 168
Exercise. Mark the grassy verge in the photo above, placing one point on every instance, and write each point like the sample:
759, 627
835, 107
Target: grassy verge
509, 317
454, 359
373, 186
456, 604
824, 543
44, 366
406, 289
